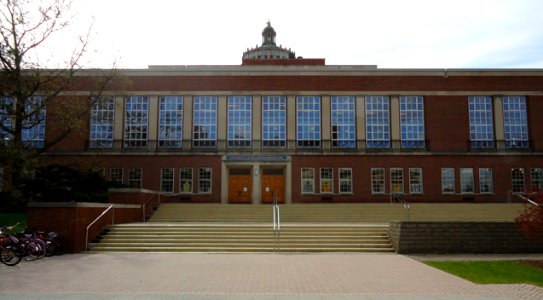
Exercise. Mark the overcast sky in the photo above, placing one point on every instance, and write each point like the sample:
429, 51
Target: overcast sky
387, 33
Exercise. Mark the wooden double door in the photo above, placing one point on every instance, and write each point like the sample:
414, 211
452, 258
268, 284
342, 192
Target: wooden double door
240, 186
273, 182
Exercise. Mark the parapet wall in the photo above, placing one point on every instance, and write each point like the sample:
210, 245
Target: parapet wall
411, 237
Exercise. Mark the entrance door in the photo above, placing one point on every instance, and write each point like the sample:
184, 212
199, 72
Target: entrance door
239, 186
273, 180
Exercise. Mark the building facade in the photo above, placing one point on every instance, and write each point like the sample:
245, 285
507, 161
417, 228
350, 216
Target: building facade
301, 131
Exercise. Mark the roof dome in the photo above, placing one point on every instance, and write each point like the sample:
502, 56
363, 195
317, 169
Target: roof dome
268, 35
268, 49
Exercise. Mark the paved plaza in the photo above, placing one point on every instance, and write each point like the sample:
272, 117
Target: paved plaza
242, 276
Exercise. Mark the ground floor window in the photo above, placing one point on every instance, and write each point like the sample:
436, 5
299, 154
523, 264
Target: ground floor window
378, 180
345, 180
536, 175
396, 180
415, 181
185, 180
135, 177
308, 180
517, 180
486, 185
327, 180
447, 181
166, 180
204, 180
116, 175
466, 181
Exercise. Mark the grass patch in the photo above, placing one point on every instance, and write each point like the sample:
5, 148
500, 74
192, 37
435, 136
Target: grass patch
10, 219
492, 272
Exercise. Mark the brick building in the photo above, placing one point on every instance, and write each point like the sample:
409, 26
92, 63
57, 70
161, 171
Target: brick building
303, 131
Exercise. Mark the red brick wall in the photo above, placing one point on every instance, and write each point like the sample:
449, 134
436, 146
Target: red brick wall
447, 123
535, 121
70, 221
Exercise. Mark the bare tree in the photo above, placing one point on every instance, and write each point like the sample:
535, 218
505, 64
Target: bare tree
28, 86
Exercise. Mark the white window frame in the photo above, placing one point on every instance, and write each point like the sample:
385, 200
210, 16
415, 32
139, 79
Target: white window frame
329, 172
164, 180
308, 181
394, 180
467, 181
515, 181
447, 179
348, 180
536, 179
377, 182
131, 179
414, 182
201, 180
183, 180
111, 170
484, 180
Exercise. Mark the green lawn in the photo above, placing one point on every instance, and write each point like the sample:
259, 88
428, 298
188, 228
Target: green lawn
10, 219
492, 272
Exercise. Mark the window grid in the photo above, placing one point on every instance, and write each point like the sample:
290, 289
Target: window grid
204, 180
102, 121
170, 134
116, 175
377, 122
377, 180
308, 180
517, 180
167, 180
447, 181
345, 180
135, 177
481, 122
6, 115
412, 122
136, 123
327, 180
343, 122
515, 122
274, 121
308, 118
536, 176
240, 112
486, 182
415, 181
185, 180
205, 122
396, 180
33, 130
466, 181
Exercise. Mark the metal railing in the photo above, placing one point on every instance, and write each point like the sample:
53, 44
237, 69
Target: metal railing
143, 205
396, 197
276, 224
522, 196
98, 218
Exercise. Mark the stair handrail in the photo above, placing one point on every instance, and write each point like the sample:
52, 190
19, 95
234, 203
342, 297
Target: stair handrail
276, 224
397, 197
144, 204
521, 196
98, 218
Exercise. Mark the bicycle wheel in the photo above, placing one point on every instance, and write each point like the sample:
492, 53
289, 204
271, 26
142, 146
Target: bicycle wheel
33, 250
10, 255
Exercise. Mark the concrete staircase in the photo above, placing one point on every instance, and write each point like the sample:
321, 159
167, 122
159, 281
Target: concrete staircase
305, 227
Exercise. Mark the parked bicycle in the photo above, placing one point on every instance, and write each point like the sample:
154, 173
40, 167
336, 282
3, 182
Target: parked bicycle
10, 249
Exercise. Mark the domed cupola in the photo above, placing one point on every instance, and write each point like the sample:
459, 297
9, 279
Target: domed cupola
268, 49
268, 35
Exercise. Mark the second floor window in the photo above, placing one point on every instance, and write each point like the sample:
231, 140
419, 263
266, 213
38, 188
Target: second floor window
274, 121
240, 111
205, 122
136, 121
308, 121
412, 122
102, 121
515, 122
377, 122
170, 122
343, 122
481, 130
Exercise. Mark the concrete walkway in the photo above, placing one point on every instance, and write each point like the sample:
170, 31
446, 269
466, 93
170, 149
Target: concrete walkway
242, 276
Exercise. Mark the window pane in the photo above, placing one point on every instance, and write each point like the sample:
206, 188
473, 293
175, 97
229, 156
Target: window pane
396, 180
415, 181
136, 121
343, 122
345, 180
377, 122
515, 122
204, 180
486, 184
517, 180
205, 122
308, 180
274, 121
447, 181
7, 114
33, 131
170, 122
102, 119
240, 112
536, 174
166, 180
134, 177
185, 180
466, 180
308, 121
378, 181
327, 180
412, 122
116, 175
481, 122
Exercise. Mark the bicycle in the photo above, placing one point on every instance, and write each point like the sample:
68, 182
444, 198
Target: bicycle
10, 250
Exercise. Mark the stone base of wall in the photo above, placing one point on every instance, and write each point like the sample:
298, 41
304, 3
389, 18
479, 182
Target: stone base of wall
412, 237
70, 220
